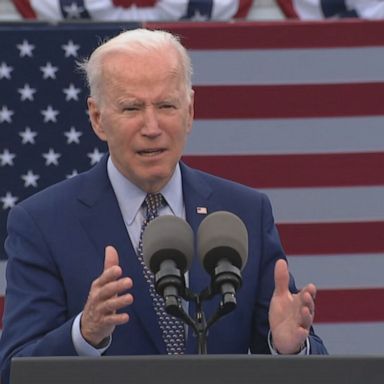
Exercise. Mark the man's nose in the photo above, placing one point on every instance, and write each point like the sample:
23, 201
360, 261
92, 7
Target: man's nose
151, 125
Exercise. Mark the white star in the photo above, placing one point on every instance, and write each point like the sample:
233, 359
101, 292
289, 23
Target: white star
5, 114
73, 11
6, 158
95, 156
30, 179
199, 17
8, 200
73, 136
49, 71
50, 114
5, 71
28, 136
51, 157
70, 49
73, 174
71, 92
26, 92
25, 48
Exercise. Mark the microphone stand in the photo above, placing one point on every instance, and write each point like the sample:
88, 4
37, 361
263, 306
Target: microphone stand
225, 280
199, 324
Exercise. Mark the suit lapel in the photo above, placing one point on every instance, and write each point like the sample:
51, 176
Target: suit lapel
104, 225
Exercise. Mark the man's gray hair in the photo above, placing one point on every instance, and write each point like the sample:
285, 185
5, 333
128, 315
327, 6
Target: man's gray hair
131, 41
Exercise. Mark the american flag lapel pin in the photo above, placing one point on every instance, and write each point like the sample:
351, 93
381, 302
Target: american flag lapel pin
201, 210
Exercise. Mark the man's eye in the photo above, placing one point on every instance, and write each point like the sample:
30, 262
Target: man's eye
167, 106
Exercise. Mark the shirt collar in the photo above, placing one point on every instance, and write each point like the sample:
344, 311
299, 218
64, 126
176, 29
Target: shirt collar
130, 197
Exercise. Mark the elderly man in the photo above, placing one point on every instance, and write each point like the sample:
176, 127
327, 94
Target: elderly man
76, 283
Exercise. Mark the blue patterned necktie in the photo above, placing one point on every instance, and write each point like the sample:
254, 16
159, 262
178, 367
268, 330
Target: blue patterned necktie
172, 329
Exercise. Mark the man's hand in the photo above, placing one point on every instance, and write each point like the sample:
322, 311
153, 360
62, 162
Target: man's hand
106, 296
290, 315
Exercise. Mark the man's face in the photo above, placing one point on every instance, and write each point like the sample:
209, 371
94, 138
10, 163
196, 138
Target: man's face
144, 114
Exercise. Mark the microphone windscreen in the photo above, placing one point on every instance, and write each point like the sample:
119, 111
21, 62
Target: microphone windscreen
222, 235
168, 238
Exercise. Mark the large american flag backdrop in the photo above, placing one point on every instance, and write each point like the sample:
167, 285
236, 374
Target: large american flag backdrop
291, 108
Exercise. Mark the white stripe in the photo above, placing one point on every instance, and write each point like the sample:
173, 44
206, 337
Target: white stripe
338, 271
373, 9
288, 66
224, 9
286, 136
308, 9
352, 338
47, 9
303, 205
161, 11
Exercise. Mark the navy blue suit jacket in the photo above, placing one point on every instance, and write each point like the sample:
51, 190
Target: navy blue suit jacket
55, 245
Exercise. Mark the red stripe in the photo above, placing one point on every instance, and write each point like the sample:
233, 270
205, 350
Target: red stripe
289, 171
352, 305
25, 9
332, 238
289, 34
136, 3
285, 101
243, 10
288, 8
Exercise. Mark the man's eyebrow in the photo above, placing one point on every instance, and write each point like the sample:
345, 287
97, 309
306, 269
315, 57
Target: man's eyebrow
129, 101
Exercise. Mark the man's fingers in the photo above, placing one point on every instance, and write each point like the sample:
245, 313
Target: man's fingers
281, 277
308, 298
111, 257
114, 304
114, 288
108, 294
112, 270
311, 288
116, 319
110, 283
306, 305
306, 318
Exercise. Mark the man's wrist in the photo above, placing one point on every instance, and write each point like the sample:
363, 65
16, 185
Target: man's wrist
303, 349
82, 347
103, 343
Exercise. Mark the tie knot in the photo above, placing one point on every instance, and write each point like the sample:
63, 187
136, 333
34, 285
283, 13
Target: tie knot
153, 202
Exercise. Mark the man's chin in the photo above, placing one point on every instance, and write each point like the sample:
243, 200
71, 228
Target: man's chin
155, 181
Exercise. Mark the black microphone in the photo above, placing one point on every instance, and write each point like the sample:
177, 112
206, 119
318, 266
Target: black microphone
222, 242
168, 253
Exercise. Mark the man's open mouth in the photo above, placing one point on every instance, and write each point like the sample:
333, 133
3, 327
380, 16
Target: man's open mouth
151, 152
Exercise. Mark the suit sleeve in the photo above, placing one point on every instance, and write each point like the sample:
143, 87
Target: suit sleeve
271, 251
35, 315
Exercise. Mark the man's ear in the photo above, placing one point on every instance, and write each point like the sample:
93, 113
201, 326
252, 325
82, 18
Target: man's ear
95, 117
191, 111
